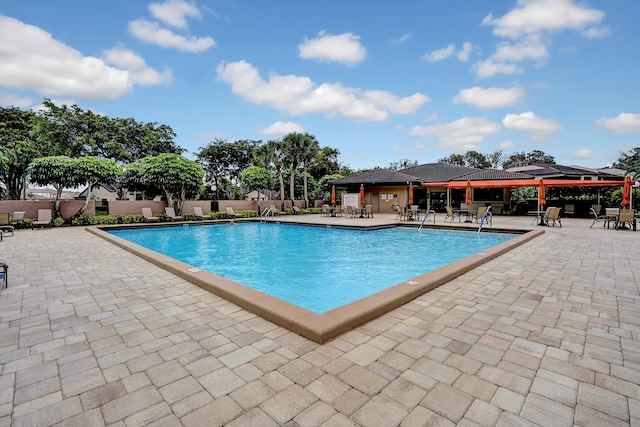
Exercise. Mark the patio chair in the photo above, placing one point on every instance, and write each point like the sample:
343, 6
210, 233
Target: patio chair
451, 214
296, 210
325, 210
338, 210
17, 220
552, 216
569, 209
5, 226
232, 214
626, 216
368, 211
147, 215
597, 217
197, 212
44, 219
4, 267
171, 214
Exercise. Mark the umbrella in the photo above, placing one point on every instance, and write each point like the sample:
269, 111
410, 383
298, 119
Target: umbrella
410, 193
362, 194
468, 193
626, 191
333, 195
541, 200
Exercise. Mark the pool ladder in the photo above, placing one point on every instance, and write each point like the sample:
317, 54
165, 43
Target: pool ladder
425, 218
265, 214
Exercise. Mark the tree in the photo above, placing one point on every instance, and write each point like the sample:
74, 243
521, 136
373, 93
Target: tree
630, 162
536, 157
223, 161
293, 146
178, 177
18, 146
309, 151
402, 164
326, 163
65, 172
453, 159
273, 153
496, 159
256, 178
470, 159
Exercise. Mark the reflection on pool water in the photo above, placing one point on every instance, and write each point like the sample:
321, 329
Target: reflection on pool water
315, 268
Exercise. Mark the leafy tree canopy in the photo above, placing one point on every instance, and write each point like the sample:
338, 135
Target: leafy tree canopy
526, 159
630, 162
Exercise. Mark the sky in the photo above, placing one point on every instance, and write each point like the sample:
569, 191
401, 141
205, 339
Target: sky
379, 80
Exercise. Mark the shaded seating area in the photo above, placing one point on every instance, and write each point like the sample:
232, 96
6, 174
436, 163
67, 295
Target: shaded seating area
44, 219
147, 215
171, 214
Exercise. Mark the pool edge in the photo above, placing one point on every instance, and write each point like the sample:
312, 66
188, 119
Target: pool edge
318, 327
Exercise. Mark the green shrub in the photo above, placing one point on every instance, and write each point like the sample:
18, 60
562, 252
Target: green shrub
58, 222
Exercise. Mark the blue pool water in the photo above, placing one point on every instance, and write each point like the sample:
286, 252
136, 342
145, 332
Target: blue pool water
315, 268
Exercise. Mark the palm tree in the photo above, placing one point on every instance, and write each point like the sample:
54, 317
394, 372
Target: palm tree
293, 144
309, 152
273, 153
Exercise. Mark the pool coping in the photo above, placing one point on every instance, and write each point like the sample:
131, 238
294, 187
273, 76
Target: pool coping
317, 327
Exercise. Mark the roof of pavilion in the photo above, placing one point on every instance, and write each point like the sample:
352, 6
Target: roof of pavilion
455, 176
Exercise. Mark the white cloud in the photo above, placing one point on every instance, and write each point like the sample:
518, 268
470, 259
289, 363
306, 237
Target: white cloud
508, 55
488, 68
280, 128
344, 48
584, 154
463, 54
31, 59
538, 128
299, 95
460, 135
544, 16
440, 54
624, 123
151, 32
12, 100
175, 12
505, 145
493, 97
402, 39
140, 72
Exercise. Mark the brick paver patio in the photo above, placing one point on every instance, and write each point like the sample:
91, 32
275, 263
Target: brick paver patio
547, 334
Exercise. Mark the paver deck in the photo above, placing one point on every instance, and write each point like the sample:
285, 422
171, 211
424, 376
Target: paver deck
547, 334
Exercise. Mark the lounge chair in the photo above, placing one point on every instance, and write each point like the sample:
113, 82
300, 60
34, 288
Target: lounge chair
597, 217
197, 212
17, 220
171, 214
552, 216
147, 215
5, 225
296, 210
451, 214
44, 219
274, 211
626, 216
232, 214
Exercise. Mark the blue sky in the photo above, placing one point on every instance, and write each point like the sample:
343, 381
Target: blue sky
379, 80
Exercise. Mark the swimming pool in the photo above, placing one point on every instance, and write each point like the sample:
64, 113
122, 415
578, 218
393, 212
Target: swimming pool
316, 268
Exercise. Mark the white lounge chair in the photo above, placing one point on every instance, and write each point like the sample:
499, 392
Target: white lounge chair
148, 215
232, 214
171, 214
44, 219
